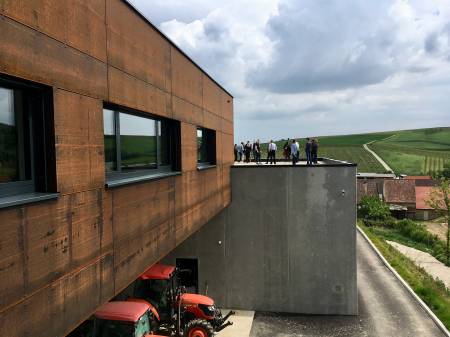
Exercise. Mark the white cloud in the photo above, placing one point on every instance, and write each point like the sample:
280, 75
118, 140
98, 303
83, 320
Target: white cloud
314, 67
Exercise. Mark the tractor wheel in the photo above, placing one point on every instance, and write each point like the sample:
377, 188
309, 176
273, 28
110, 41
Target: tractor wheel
198, 328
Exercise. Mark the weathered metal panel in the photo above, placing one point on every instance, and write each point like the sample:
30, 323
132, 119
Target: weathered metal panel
132, 92
136, 48
186, 112
186, 79
40, 58
59, 260
79, 23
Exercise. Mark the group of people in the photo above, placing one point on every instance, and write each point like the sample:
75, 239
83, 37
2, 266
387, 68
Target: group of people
243, 152
291, 150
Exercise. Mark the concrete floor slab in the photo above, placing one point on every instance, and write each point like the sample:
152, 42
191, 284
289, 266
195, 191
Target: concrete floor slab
242, 324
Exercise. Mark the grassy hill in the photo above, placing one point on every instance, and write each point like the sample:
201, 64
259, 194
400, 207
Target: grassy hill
423, 151
410, 152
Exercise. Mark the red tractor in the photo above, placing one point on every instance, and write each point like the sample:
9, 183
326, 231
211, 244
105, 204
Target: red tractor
124, 319
196, 314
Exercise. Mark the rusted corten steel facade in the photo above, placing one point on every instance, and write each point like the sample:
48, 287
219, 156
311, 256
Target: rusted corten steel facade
61, 259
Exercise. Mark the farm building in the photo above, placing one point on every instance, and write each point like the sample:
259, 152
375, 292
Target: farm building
423, 210
119, 147
401, 193
369, 188
417, 178
371, 184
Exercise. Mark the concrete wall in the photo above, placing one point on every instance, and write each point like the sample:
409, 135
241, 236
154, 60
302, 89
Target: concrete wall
60, 260
288, 242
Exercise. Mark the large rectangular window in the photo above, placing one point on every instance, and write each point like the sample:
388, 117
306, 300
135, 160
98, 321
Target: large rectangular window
138, 145
26, 139
206, 147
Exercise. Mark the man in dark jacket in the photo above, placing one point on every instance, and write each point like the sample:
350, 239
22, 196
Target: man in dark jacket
308, 151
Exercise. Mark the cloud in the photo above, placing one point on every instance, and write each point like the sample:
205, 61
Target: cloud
317, 67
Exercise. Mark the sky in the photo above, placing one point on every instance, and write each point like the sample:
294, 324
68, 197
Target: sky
299, 68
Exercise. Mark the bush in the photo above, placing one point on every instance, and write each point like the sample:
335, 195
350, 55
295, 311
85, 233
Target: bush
415, 231
372, 208
388, 223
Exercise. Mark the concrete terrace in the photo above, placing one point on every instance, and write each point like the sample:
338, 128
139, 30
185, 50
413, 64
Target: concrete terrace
302, 162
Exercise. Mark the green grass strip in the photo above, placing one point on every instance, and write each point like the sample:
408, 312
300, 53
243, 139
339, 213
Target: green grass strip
431, 291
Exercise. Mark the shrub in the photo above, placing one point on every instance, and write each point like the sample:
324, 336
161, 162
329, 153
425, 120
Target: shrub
415, 231
372, 208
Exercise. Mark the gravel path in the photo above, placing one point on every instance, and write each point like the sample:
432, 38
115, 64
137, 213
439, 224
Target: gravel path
428, 262
377, 157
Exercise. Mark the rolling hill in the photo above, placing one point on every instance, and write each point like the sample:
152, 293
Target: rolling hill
421, 151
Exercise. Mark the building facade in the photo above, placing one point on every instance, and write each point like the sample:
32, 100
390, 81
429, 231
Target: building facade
286, 243
114, 148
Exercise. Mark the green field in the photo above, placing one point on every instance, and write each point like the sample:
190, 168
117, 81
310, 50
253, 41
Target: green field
348, 148
423, 151
412, 152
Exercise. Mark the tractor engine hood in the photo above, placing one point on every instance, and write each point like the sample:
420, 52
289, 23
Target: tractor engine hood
196, 299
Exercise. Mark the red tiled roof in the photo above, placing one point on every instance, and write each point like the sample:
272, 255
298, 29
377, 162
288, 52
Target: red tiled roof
422, 195
400, 191
418, 177
427, 182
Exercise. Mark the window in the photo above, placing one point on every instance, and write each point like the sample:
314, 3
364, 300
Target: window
206, 147
138, 146
27, 163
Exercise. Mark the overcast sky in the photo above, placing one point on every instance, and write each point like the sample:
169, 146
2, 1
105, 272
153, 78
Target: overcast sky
301, 68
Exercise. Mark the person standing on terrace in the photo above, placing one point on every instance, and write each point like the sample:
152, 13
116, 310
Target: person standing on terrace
287, 150
308, 151
247, 151
240, 150
271, 151
295, 152
257, 151
314, 150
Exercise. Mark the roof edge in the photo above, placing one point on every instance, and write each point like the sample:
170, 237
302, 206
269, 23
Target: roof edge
137, 11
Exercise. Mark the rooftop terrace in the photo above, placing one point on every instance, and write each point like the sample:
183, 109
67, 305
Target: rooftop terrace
301, 163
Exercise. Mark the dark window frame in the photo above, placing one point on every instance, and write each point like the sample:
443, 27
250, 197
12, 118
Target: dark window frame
119, 177
38, 150
209, 139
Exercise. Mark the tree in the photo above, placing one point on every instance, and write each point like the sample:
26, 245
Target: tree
373, 208
439, 200
446, 171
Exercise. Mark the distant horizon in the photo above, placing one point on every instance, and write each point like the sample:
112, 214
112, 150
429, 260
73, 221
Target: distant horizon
343, 134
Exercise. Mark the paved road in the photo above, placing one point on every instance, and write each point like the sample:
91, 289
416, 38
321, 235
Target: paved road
385, 309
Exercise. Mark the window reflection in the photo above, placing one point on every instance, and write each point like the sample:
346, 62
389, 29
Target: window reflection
137, 142
110, 140
201, 146
163, 143
12, 146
